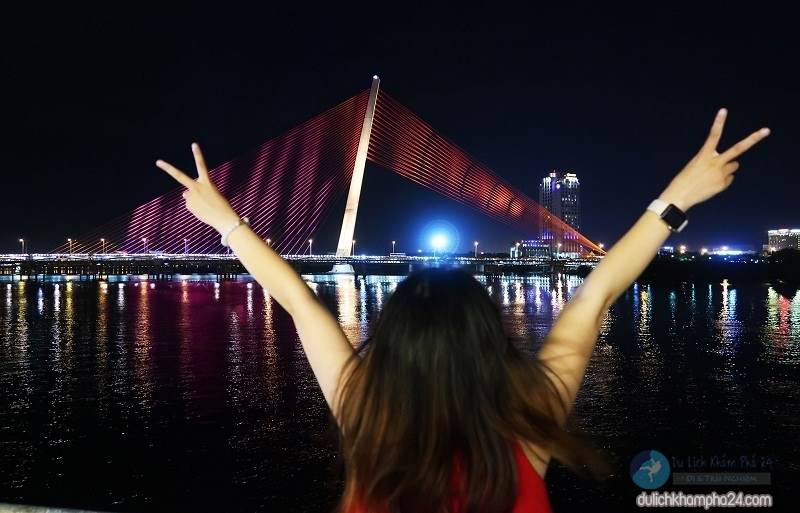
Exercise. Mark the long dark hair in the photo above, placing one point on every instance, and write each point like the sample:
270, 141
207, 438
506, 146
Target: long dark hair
439, 378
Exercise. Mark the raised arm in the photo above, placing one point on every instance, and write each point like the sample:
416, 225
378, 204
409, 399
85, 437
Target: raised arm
570, 343
324, 342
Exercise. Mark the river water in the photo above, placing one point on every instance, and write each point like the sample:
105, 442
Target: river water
191, 395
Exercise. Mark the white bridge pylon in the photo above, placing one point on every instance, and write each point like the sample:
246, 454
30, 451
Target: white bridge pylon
345, 246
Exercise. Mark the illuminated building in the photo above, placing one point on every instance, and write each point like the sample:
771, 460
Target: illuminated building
533, 248
560, 193
783, 238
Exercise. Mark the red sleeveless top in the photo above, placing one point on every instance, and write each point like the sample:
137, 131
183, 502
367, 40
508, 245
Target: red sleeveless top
531, 490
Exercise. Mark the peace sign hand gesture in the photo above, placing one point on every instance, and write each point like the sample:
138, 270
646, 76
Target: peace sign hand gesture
203, 199
709, 172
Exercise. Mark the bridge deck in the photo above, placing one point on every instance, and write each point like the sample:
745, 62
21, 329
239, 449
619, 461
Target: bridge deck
162, 265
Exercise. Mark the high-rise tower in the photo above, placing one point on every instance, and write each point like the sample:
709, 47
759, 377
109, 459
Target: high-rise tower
560, 194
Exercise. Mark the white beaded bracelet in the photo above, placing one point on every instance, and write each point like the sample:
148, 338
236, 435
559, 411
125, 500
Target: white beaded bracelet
239, 222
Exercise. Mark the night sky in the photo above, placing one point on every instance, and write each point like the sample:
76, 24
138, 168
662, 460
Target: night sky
623, 98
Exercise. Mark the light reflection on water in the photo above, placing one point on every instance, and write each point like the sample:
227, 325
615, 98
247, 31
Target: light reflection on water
194, 394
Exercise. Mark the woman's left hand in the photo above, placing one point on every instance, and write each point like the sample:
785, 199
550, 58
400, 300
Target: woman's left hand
709, 172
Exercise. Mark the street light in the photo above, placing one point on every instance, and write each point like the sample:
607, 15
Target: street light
600, 245
703, 251
558, 251
393, 242
353, 250
144, 243
516, 251
103, 246
682, 248
310, 241
476, 249
269, 241
70, 245
22, 241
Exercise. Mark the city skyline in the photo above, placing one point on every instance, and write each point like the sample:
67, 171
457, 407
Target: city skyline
523, 112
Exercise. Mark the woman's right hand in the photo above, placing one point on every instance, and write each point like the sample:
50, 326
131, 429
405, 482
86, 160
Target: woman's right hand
202, 197
709, 172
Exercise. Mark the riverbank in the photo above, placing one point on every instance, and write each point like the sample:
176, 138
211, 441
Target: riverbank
781, 268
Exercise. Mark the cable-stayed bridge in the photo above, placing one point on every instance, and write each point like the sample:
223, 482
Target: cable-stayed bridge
288, 185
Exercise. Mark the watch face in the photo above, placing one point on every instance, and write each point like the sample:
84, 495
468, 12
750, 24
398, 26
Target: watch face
674, 217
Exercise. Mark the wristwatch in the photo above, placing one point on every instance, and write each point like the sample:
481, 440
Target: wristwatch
670, 214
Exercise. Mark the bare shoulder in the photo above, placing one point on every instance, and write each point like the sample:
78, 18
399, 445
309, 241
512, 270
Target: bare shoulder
538, 457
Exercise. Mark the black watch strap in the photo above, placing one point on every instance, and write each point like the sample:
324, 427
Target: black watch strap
670, 214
